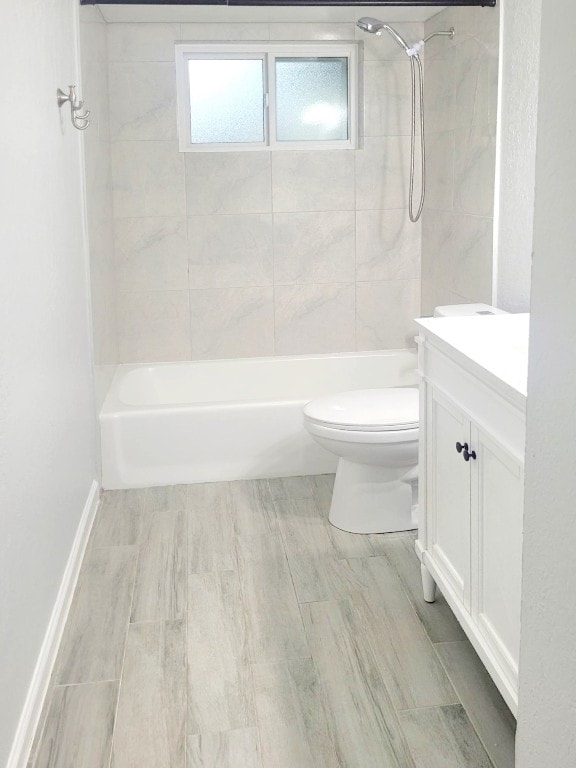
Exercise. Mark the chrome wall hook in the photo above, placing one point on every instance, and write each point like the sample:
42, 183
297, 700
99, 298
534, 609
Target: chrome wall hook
80, 118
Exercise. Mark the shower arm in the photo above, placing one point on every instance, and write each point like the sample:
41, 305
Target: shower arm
448, 33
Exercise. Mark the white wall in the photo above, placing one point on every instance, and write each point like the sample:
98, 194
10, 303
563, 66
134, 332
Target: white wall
520, 29
547, 717
47, 425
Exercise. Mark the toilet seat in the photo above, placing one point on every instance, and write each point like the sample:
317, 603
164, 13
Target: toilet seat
331, 432
394, 409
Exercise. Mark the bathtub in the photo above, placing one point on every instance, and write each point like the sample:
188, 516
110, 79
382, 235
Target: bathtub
197, 422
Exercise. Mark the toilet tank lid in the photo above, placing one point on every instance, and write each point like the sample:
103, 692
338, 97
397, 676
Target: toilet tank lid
465, 310
367, 409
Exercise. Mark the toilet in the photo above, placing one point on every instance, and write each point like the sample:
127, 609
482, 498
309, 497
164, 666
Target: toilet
374, 432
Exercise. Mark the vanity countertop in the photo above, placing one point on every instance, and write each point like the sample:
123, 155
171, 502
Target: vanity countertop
495, 346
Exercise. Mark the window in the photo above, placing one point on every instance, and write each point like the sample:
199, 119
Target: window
273, 95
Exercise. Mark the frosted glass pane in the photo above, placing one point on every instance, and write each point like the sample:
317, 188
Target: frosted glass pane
312, 99
226, 100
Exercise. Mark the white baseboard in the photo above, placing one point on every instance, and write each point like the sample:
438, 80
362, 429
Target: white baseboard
30, 716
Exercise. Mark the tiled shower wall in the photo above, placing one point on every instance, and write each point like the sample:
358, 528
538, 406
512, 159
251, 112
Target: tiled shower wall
461, 102
258, 253
94, 86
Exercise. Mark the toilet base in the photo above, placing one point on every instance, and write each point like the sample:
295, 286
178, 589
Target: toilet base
371, 499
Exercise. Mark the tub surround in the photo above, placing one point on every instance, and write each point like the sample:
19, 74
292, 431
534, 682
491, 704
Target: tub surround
258, 253
461, 105
100, 223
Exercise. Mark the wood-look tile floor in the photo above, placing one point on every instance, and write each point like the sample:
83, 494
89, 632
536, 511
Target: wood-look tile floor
228, 625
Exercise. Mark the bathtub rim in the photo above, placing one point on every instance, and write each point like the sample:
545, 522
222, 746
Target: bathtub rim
114, 406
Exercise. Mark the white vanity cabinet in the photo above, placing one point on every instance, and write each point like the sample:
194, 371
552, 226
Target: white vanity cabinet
472, 427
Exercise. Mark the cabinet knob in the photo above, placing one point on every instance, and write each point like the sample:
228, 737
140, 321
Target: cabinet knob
461, 447
469, 454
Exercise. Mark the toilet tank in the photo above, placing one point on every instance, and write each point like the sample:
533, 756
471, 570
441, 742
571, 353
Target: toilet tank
464, 310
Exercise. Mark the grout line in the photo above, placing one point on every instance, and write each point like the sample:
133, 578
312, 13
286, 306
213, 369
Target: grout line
434, 706
87, 682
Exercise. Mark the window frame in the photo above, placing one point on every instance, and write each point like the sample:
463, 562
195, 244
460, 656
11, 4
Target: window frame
268, 52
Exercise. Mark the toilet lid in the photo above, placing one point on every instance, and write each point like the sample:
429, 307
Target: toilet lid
369, 410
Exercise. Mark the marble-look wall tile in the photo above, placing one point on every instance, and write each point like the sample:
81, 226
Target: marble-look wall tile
313, 181
142, 101
98, 175
142, 42
148, 179
472, 266
154, 326
385, 312
230, 251
386, 99
228, 182
381, 173
474, 169
98, 178
387, 246
210, 31
440, 159
480, 23
310, 31
440, 93
314, 318
270, 245
90, 14
314, 247
151, 254
437, 258
476, 74
461, 104
232, 322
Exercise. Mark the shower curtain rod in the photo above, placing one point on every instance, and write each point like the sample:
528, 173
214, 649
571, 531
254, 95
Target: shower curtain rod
411, 3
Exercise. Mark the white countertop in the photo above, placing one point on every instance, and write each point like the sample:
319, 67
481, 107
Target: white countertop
496, 343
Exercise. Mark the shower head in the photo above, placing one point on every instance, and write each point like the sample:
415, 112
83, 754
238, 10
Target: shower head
375, 27
370, 24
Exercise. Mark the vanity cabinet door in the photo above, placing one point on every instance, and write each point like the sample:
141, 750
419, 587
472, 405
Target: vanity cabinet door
497, 496
448, 493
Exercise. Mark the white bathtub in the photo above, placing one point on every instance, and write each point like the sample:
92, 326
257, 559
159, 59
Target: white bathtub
198, 422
